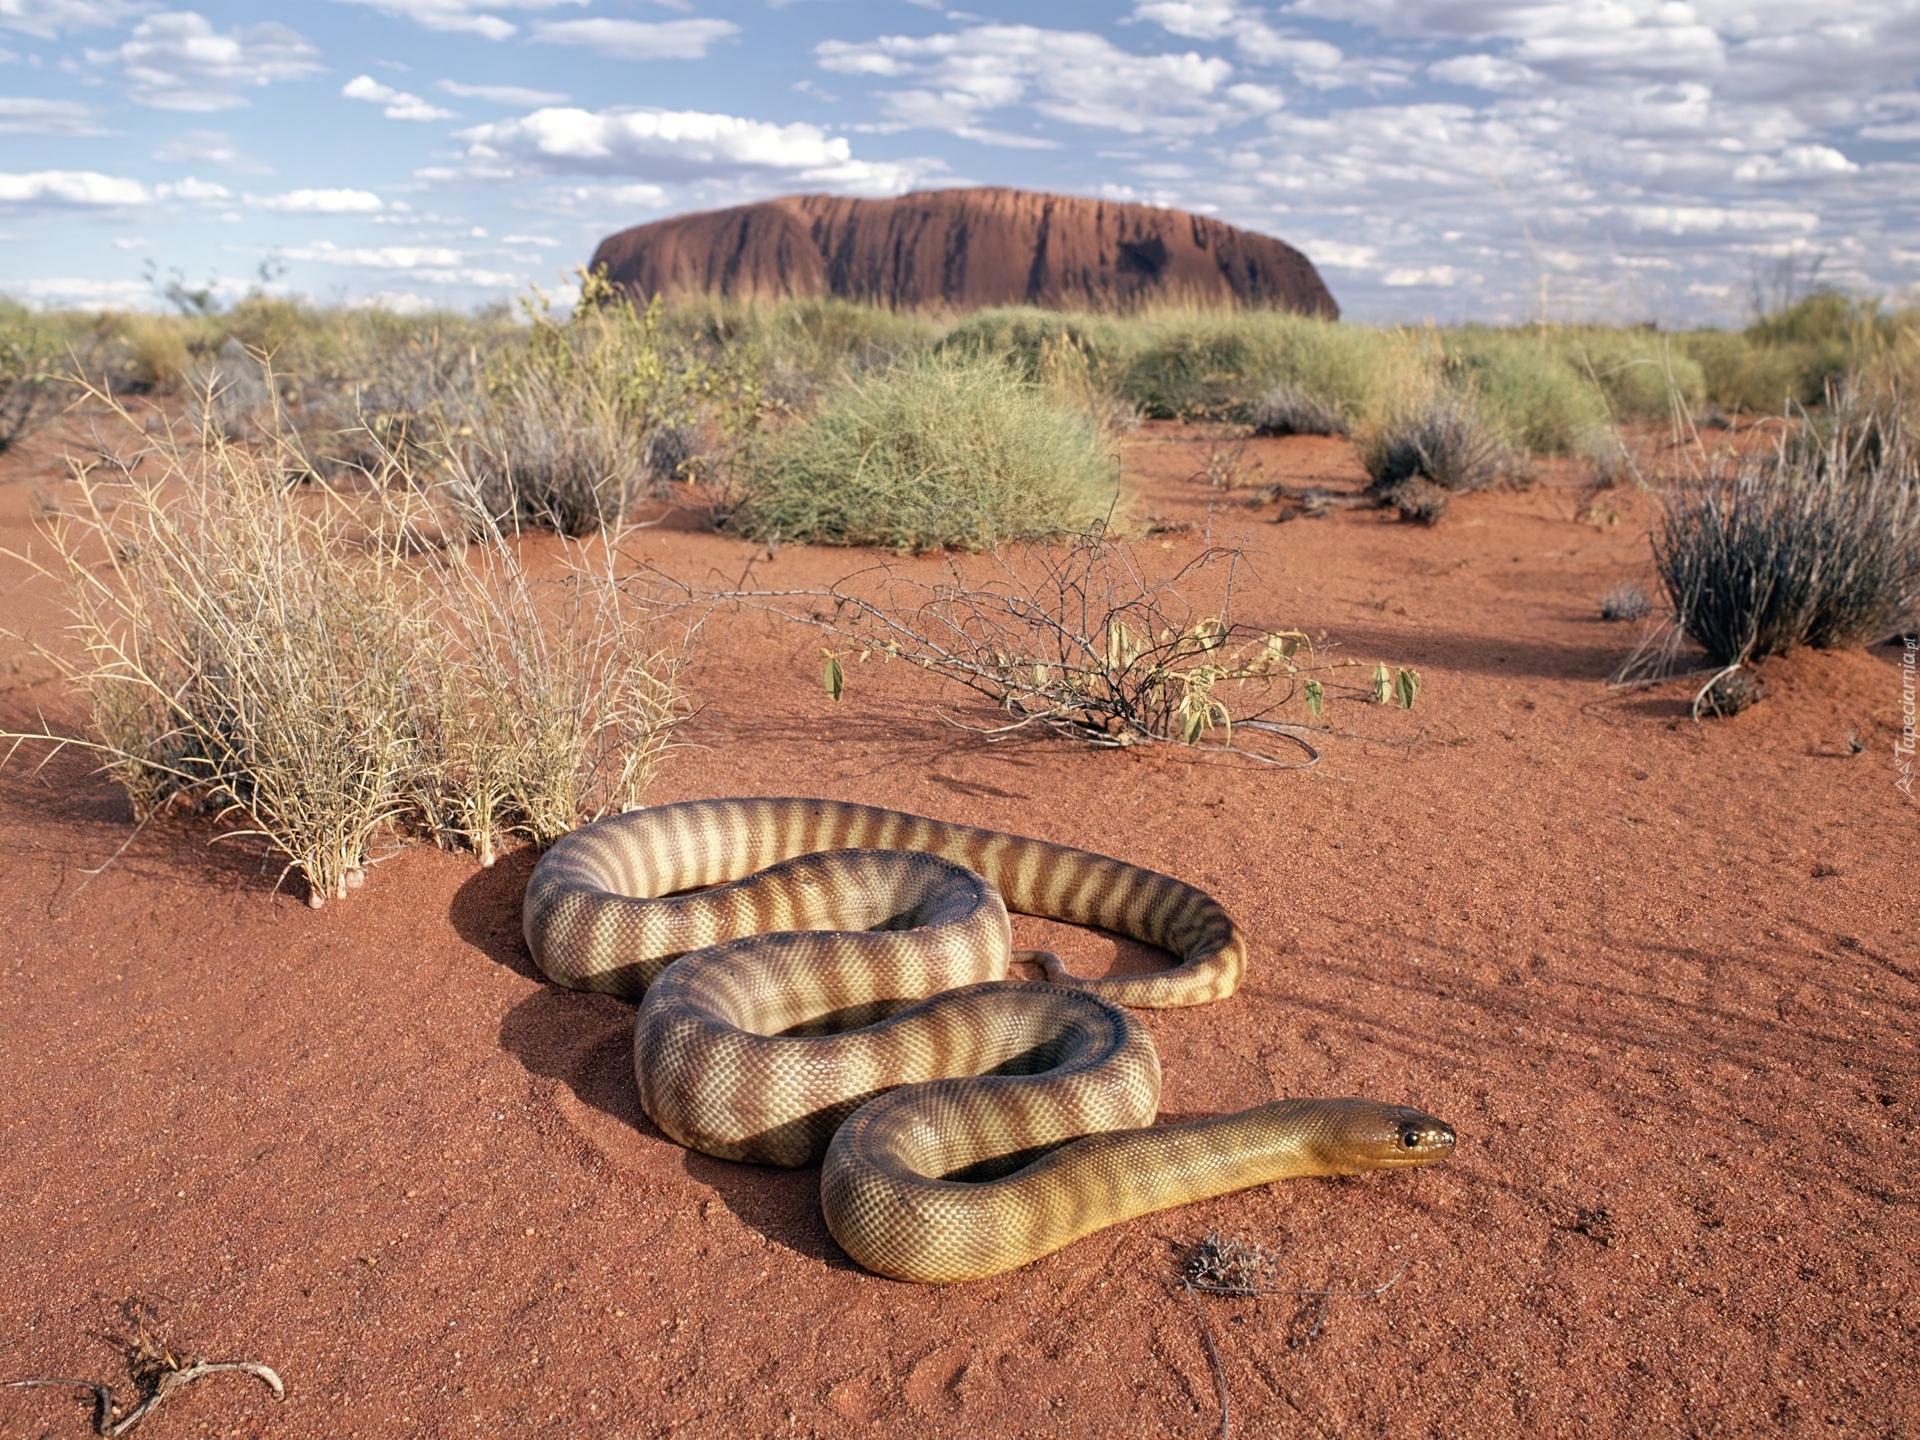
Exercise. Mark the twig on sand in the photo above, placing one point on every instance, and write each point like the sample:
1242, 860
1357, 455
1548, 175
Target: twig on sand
105, 1408
157, 1371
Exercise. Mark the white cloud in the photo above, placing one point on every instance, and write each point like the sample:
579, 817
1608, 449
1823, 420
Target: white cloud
639, 39
85, 189
1341, 256
376, 257
1795, 163
1443, 276
1486, 72
671, 146
399, 302
33, 116
1076, 77
597, 199
504, 94
1715, 219
469, 276
466, 17
545, 240
400, 105
1317, 62
211, 147
48, 19
320, 202
1623, 149
82, 290
1592, 38
177, 61
192, 189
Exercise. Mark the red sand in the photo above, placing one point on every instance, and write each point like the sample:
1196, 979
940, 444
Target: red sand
1662, 977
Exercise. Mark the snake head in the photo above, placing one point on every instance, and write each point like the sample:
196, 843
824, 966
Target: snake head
1351, 1135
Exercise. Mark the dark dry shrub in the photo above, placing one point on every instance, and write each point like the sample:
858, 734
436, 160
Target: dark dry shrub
1731, 693
1816, 544
674, 452
1414, 496
1445, 441
1287, 409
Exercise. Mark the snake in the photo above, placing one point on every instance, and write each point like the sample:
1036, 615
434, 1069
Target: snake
827, 982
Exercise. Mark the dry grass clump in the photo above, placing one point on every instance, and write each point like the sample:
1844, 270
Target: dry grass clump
1438, 448
1628, 602
553, 451
945, 450
235, 394
1817, 544
559, 438
328, 666
1289, 410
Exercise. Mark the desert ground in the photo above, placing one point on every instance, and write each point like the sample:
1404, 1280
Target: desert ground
1662, 976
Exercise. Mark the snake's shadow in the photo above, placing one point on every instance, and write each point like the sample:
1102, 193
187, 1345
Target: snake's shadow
585, 1042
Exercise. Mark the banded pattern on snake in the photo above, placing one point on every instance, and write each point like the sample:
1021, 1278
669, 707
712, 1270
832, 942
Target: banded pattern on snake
967, 1124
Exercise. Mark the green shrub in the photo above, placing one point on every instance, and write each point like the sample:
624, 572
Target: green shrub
1218, 364
941, 450
1792, 356
794, 348
1526, 388
1028, 338
30, 362
1748, 378
1644, 376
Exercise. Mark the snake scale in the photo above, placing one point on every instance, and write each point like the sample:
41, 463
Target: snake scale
823, 981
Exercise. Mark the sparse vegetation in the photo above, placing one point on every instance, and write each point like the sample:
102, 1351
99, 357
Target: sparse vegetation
1628, 602
1289, 410
1436, 448
943, 450
1815, 544
1086, 643
559, 435
29, 353
332, 665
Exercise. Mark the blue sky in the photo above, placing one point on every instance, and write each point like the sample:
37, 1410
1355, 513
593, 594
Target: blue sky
1452, 159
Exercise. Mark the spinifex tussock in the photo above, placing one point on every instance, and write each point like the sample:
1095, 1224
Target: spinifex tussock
946, 450
328, 665
1815, 544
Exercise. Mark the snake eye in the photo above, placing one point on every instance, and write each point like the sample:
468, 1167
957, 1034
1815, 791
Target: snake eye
1412, 1139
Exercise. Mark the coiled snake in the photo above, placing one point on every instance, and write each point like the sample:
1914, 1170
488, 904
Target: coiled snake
941, 1120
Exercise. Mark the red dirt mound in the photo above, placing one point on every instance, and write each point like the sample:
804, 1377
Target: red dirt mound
963, 249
